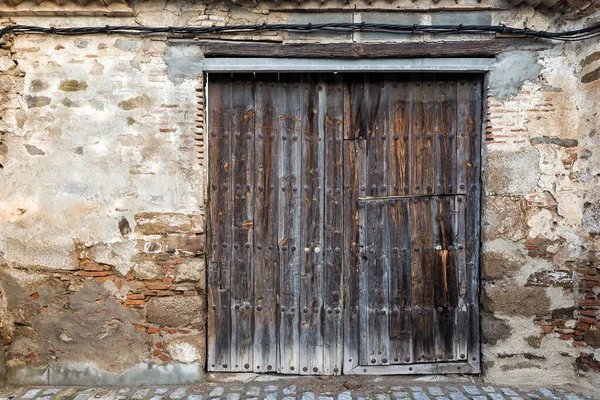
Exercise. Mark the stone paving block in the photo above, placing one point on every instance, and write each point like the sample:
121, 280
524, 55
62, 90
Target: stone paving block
471, 389
509, 392
271, 396
140, 394
308, 396
43, 398
195, 397
157, 397
479, 398
83, 396
488, 389
572, 397
161, 390
289, 390
400, 394
31, 394
289, 398
547, 393
345, 396
271, 388
436, 391
218, 391
458, 396
178, 393
253, 391
497, 396
421, 396
51, 391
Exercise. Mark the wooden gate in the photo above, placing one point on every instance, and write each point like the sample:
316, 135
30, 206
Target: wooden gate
344, 223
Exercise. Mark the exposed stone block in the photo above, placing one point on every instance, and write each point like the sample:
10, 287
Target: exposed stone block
72, 86
190, 270
191, 244
512, 172
504, 217
136, 102
175, 310
150, 223
493, 329
550, 278
37, 101
555, 141
591, 218
499, 265
186, 349
514, 300
147, 270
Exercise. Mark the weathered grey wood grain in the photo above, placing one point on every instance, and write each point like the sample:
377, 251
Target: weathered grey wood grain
351, 249
399, 129
292, 111
311, 253
242, 167
266, 256
219, 277
401, 348
422, 279
445, 135
332, 115
444, 277
474, 216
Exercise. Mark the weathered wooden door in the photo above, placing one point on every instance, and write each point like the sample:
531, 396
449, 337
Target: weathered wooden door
344, 223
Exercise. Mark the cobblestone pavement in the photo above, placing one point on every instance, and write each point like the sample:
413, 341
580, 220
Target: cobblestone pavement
300, 389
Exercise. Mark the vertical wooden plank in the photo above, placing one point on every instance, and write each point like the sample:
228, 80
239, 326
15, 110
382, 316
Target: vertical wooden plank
333, 117
462, 318
474, 124
350, 231
399, 126
377, 269
445, 136
219, 318
360, 130
242, 283
422, 279
400, 283
312, 274
422, 129
376, 123
266, 256
292, 111
445, 278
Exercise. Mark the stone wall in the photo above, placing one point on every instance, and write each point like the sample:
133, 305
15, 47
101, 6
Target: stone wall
103, 197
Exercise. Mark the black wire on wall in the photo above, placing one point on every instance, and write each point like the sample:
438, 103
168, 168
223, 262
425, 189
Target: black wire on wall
574, 35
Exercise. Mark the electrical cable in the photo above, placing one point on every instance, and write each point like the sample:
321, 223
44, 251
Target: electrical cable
191, 31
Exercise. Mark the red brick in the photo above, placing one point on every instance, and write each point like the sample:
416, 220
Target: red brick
547, 329
156, 285
154, 330
578, 343
157, 353
165, 293
588, 320
135, 302
93, 274
164, 357
566, 337
133, 296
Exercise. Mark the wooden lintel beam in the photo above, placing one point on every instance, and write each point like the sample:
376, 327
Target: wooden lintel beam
474, 48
